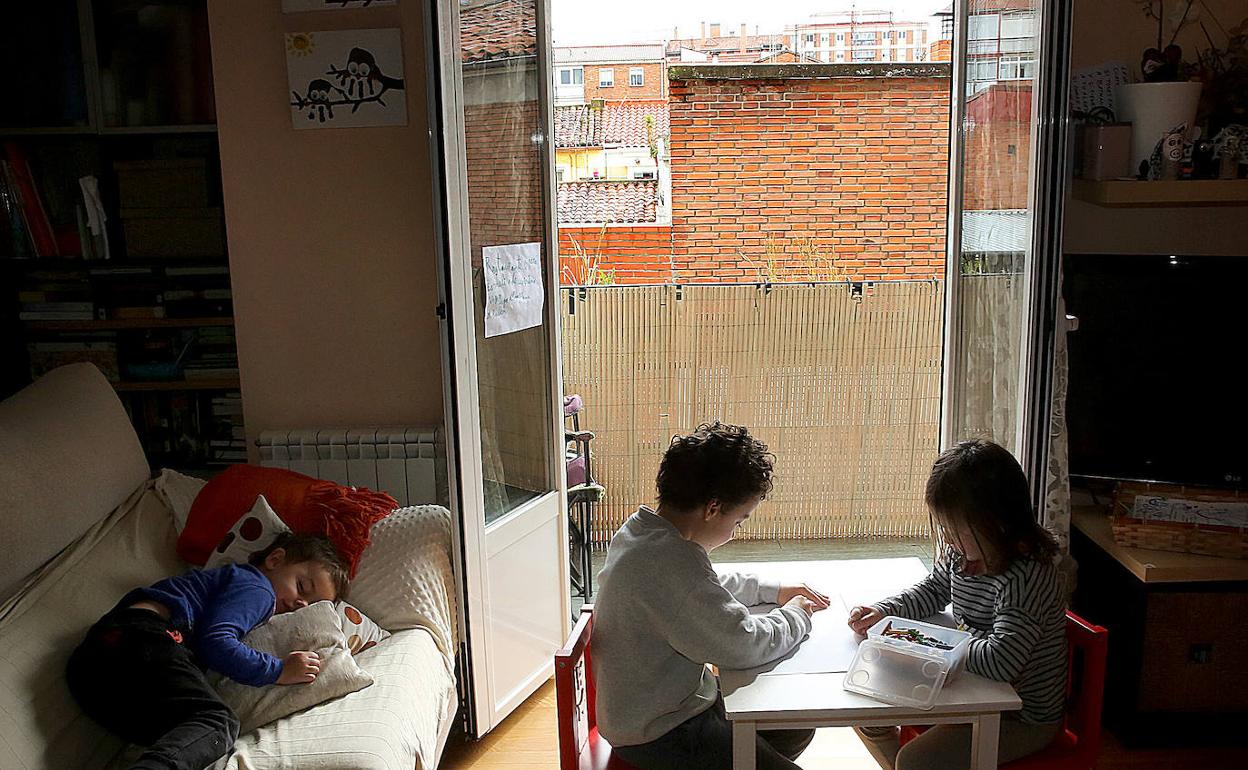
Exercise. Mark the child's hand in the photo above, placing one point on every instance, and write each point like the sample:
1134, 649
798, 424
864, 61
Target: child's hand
804, 604
787, 592
862, 618
300, 667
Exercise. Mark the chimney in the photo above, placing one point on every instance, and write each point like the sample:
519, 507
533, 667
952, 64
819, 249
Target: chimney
743, 34
714, 30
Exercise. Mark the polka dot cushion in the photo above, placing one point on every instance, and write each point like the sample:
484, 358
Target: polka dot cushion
253, 532
360, 632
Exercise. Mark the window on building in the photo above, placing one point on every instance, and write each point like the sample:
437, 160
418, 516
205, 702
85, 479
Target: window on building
637, 173
559, 173
636, 76
978, 70
864, 54
1017, 68
864, 38
840, 37
810, 38
840, 56
983, 26
1018, 25
606, 77
571, 76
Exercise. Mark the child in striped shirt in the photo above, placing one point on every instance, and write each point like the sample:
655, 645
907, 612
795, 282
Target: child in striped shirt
999, 569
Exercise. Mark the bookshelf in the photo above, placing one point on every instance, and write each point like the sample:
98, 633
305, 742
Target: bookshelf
129, 271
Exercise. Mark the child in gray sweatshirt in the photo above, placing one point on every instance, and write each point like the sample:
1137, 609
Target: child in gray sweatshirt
663, 614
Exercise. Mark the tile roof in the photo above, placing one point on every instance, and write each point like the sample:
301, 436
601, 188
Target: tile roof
608, 201
608, 53
491, 30
621, 124
625, 123
578, 125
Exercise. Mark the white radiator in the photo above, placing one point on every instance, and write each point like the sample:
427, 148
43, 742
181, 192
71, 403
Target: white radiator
401, 462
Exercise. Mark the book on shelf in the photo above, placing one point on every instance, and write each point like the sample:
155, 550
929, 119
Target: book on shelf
33, 212
135, 313
56, 315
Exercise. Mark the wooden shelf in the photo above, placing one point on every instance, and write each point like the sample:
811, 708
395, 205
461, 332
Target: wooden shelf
1152, 566
228, 383
1195, 192
127, 323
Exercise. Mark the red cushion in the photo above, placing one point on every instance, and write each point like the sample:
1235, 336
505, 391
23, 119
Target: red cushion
305, 504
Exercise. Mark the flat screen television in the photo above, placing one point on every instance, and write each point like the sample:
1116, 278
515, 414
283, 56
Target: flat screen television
1158, 387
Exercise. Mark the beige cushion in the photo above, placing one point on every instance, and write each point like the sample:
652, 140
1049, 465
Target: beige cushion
315, 627
67, 452
405, 579
399, 723
41, 728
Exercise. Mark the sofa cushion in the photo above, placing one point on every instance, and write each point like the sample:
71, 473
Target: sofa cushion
316, 628
358, 629
307, 505
66, 449
404, 715
406, 579
41, 728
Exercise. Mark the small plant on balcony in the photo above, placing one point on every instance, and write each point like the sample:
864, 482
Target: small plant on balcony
583, 268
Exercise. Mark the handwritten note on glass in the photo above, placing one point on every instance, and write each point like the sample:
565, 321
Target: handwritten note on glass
513, 287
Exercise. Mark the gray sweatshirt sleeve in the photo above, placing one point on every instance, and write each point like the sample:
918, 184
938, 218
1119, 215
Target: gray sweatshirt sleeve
923, 599
710, 626
749, 589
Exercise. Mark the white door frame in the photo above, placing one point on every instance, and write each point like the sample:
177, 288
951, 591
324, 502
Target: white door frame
477, 542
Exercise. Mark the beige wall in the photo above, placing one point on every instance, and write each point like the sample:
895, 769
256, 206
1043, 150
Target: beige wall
1109, 30
330, 235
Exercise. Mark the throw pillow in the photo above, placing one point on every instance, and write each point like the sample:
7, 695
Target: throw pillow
315, 628
306, 505
406, 579
252, 533
360, 632
178, 491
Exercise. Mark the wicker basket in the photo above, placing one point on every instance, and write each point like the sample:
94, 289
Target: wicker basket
1136, 529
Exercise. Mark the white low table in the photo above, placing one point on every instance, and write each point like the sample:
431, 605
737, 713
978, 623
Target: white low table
803, 690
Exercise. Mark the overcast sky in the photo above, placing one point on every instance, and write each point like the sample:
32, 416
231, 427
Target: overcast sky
584, 22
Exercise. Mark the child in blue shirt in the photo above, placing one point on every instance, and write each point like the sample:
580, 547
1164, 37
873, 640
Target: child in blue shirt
140, 670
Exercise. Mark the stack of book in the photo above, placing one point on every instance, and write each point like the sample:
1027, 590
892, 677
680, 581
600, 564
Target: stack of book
213, 356
55, 296
229, 442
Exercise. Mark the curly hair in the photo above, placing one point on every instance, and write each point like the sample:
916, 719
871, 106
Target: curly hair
301, 548
715, 462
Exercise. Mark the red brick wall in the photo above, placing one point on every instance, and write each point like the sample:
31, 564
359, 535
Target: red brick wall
628, 254
502, 207
841, 178
998, 148
654, 86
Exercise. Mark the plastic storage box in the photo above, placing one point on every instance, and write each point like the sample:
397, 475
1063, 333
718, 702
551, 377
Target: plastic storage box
906, 662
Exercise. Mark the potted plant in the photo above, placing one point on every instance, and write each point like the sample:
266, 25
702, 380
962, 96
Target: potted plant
1166, 100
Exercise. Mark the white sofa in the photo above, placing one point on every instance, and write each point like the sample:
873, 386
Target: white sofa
81, 523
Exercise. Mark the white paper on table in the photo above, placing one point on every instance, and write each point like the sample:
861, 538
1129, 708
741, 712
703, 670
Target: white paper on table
513, 287
830, 647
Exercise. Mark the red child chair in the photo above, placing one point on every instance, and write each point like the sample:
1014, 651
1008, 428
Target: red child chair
580, 745
1079, 743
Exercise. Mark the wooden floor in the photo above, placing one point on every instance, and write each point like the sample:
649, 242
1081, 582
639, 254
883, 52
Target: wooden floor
527, 741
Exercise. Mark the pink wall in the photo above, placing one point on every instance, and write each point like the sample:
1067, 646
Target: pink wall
1116, 30
330, 235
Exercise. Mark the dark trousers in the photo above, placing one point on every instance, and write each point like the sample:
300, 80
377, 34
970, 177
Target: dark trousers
705, 743
134, 675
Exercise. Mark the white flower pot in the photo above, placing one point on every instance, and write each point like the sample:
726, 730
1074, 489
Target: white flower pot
1153, 109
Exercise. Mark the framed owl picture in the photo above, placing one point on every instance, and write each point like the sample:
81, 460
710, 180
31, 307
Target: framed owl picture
346, 78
